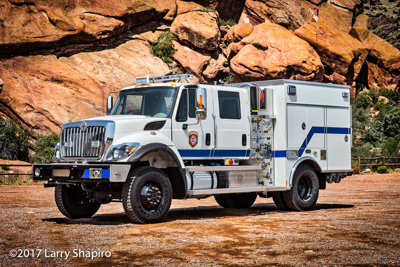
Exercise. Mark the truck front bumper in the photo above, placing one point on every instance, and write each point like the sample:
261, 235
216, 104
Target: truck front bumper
57, 173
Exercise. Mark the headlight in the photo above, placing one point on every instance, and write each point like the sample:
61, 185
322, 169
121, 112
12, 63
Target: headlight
121, 151
56, 155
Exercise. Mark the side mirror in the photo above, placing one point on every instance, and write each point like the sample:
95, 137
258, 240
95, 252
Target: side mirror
109, 104
201, 103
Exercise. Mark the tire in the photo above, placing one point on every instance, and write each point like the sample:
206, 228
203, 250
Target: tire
74, 203
237, 201
221, 201
305, 190
147, 195
279, 201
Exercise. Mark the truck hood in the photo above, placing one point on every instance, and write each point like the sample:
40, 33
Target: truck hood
127, 123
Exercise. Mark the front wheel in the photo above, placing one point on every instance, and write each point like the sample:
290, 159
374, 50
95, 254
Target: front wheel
305, 190
147, 195
74, 203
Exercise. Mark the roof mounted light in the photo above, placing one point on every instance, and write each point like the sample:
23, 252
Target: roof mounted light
175, 78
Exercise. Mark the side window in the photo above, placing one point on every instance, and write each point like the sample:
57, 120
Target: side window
192, 103
229, 105
181, 115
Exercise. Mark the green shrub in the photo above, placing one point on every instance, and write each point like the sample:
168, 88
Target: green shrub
362, 101
163, 47
373, 134
44, 148
382, 169
391, 123
259, 46
391, 146
229, 78
229, 22
13, 141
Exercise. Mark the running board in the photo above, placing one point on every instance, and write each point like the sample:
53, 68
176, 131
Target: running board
233, 190
223, 168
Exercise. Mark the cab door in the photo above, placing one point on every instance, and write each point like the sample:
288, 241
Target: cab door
193, 138
232, 120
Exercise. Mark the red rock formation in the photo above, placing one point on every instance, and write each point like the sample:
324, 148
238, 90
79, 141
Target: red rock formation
384, 60
199, 29
28, 25
44, 92
342, 55
272, 52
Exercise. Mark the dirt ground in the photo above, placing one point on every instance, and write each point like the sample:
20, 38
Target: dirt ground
355, 222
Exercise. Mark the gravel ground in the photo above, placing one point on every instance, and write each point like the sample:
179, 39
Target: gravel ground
355, 222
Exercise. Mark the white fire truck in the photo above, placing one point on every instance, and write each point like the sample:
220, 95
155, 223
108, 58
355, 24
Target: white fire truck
283, 139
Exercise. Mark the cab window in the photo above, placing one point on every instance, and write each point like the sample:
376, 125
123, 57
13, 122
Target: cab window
186, 106
229, 105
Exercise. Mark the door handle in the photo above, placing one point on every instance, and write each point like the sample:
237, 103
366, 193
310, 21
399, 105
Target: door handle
208, 139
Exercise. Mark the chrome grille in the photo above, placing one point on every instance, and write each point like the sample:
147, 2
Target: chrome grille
89, 143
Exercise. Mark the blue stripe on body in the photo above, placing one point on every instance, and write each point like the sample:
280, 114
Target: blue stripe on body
205, 153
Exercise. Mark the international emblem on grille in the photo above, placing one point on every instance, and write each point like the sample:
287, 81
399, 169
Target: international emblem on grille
83, 126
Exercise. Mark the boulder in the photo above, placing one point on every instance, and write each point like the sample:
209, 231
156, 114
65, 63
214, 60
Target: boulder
216, 68
381, 51
185, 7
362, 21
289, 13
242, 30
341, 54
272, 52
190, 60
335, 17
237, 32
199, 29
347, 4
72, 88
383, 61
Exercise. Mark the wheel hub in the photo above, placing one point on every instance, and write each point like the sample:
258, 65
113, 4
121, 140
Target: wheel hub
304, 188
150, 196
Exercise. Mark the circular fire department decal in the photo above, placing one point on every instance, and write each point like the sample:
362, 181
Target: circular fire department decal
193, 139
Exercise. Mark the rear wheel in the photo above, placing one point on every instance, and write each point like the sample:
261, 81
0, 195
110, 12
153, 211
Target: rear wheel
147, 195
238, 201
279, 201
74, 203
221, 201
305, 190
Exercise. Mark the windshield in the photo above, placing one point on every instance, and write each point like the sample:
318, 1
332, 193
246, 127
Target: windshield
148, 101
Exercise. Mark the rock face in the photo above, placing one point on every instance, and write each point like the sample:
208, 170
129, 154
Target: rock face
272, 52
199, 29
342, 55
192, 61
45, 92
28, 25
338, 18
383, 60
289, 13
